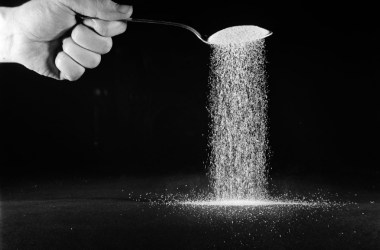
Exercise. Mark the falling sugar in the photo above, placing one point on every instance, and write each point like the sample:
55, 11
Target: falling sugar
238, 104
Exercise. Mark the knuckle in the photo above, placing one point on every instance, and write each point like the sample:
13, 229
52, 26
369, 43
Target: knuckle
102, 30
130, 12
95, 61
107, 45
112, 5
66, 45
75, 74
58, 60
123, 27
69, 78
75, 34
69, 70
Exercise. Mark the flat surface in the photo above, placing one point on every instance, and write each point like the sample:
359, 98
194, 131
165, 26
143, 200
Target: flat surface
101, 215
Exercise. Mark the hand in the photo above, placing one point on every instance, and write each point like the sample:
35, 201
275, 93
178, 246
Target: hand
48, 39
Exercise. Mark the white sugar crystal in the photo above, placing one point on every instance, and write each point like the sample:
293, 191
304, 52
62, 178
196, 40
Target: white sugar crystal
238, 35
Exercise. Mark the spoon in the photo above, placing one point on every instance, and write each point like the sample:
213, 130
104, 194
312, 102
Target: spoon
266, 33
135, 20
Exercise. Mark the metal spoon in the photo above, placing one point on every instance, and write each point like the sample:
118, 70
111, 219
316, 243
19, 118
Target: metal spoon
135, 20
203, 39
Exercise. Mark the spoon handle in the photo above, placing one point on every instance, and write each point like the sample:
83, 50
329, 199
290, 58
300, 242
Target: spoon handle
167, 23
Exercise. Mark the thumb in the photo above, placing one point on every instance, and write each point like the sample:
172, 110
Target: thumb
102, 9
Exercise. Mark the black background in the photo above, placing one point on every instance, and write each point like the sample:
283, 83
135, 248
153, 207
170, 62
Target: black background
144, 109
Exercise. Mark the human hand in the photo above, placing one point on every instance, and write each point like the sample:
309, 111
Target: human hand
42, 42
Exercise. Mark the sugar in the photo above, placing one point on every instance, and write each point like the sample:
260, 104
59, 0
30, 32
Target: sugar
238, 35
238, 104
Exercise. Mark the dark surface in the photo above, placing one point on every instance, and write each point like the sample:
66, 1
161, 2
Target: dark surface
104, 214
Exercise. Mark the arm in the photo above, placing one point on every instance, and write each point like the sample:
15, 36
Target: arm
6, 36
44, 35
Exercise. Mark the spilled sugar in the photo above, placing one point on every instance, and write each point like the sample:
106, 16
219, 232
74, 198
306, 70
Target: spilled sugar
244, 203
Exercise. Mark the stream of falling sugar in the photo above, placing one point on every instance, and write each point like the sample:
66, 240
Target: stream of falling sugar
238, 105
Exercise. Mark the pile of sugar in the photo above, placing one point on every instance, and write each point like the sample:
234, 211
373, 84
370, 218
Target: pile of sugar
238, 105
238, 35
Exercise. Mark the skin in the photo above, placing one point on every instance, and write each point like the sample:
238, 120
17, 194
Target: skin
61, 38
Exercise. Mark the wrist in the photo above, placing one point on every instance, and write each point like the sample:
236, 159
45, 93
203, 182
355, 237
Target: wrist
6, 34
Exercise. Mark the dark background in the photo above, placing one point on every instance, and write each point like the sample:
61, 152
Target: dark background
143, 110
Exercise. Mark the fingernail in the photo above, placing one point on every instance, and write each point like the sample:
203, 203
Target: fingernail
126, 9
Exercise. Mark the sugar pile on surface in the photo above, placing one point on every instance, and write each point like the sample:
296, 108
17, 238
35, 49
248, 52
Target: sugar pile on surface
242, 203
238, 104
238, 35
